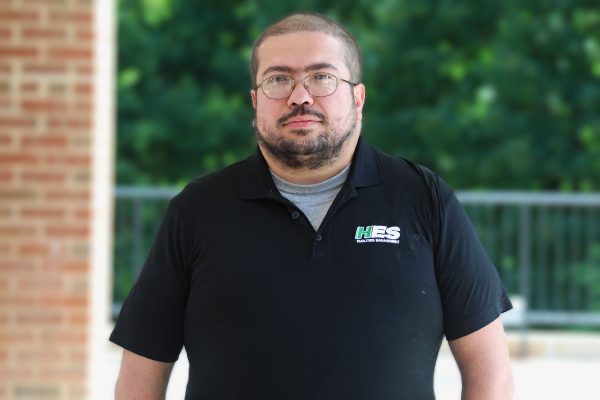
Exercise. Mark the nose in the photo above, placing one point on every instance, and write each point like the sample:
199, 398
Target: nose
299, 96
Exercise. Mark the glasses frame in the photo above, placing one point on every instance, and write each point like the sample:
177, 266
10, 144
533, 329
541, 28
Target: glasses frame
303, 81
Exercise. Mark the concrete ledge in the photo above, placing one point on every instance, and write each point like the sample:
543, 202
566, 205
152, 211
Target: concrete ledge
554, 344
541, 344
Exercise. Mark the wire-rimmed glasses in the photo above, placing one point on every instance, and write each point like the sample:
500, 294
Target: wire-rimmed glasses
318, 84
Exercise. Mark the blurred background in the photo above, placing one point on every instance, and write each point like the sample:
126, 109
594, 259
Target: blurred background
500, 97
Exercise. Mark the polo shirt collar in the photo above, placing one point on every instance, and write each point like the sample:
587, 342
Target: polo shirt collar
256, 181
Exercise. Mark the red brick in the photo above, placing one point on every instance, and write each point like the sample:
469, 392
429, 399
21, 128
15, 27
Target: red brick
57, 337
18, 15
42, 213
5, 140
78, 356
5, 68
84, 213
76, 266
6, 177
18, 373
64, 373
45, 141
18, 194
17, 301
5, 33
70, 53
83, 88
85, 70
83, 106
77, 16
67, 231
52, 3
16, 337
86, 35
45, 68
34, 249
16, 266
16, 230
66, 122
71, 160
19, 158
22, 51
63, 195
79, 319
43, 177
33, 106
16, 122
40, 354
29, 87
39, 318
44, 284
64, 301
43, 33
5, 104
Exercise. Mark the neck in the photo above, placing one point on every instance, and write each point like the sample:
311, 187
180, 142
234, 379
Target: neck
306, 176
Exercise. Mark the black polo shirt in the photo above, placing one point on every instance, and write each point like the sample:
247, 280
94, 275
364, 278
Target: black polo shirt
267, 308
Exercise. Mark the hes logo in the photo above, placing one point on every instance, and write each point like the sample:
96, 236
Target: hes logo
377, 234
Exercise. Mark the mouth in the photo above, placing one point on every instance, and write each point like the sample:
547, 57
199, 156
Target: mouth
302, 117
301, 123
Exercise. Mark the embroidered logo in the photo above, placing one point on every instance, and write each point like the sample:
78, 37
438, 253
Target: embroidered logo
377, 234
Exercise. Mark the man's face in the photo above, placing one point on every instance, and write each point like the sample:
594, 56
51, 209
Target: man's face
304, 131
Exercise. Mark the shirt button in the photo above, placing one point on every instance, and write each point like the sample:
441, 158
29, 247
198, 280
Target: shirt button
295, 214
318, 238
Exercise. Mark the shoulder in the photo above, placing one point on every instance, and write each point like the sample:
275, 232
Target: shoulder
408, 175
210, 190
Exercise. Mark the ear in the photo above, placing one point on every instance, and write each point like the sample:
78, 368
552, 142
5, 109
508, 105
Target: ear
359, 99
253, 97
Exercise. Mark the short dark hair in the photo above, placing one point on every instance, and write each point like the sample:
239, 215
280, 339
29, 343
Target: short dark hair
311, 22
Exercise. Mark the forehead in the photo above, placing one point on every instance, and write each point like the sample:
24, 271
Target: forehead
299, 50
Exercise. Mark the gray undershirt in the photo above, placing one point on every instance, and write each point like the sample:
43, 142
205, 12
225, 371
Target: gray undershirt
313, 200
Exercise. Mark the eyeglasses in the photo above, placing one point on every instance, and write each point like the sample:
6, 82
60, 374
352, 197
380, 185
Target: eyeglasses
319, 84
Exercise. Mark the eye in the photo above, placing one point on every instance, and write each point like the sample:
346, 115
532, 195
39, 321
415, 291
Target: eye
323, 77
277, 80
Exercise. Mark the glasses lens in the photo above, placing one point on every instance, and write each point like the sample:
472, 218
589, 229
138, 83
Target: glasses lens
277, 87
321, 84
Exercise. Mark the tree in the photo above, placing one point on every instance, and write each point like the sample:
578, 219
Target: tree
498, 94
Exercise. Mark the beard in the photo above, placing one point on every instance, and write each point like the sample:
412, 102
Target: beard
302, 151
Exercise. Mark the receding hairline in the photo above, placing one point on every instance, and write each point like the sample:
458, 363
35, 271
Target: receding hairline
311, 22
320, 65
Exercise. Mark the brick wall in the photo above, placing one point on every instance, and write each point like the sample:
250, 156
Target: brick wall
46, 163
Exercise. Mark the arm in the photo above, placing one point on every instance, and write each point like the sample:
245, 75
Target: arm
484, 364
142, 378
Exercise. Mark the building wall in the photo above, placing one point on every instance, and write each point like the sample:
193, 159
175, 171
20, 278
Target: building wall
48, 123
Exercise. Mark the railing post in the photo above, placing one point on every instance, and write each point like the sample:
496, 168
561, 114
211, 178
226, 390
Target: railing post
138, 236
525, 269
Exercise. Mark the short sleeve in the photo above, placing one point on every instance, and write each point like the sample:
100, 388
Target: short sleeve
471, 290
151, 320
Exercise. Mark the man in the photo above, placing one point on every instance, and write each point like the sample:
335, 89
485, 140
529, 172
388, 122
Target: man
319, 268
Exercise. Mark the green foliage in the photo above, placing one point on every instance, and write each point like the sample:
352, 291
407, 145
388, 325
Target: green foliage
491, 94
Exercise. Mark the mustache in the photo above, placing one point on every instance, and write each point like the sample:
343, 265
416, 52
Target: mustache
301, 110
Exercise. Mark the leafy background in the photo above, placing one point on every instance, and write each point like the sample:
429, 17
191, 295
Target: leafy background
490, 94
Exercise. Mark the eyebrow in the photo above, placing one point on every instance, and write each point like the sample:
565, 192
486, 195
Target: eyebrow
288, 70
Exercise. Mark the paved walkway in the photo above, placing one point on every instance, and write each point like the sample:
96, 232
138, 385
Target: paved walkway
561, 366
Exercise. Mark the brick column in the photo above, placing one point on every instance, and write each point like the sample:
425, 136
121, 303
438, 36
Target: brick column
48, 196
